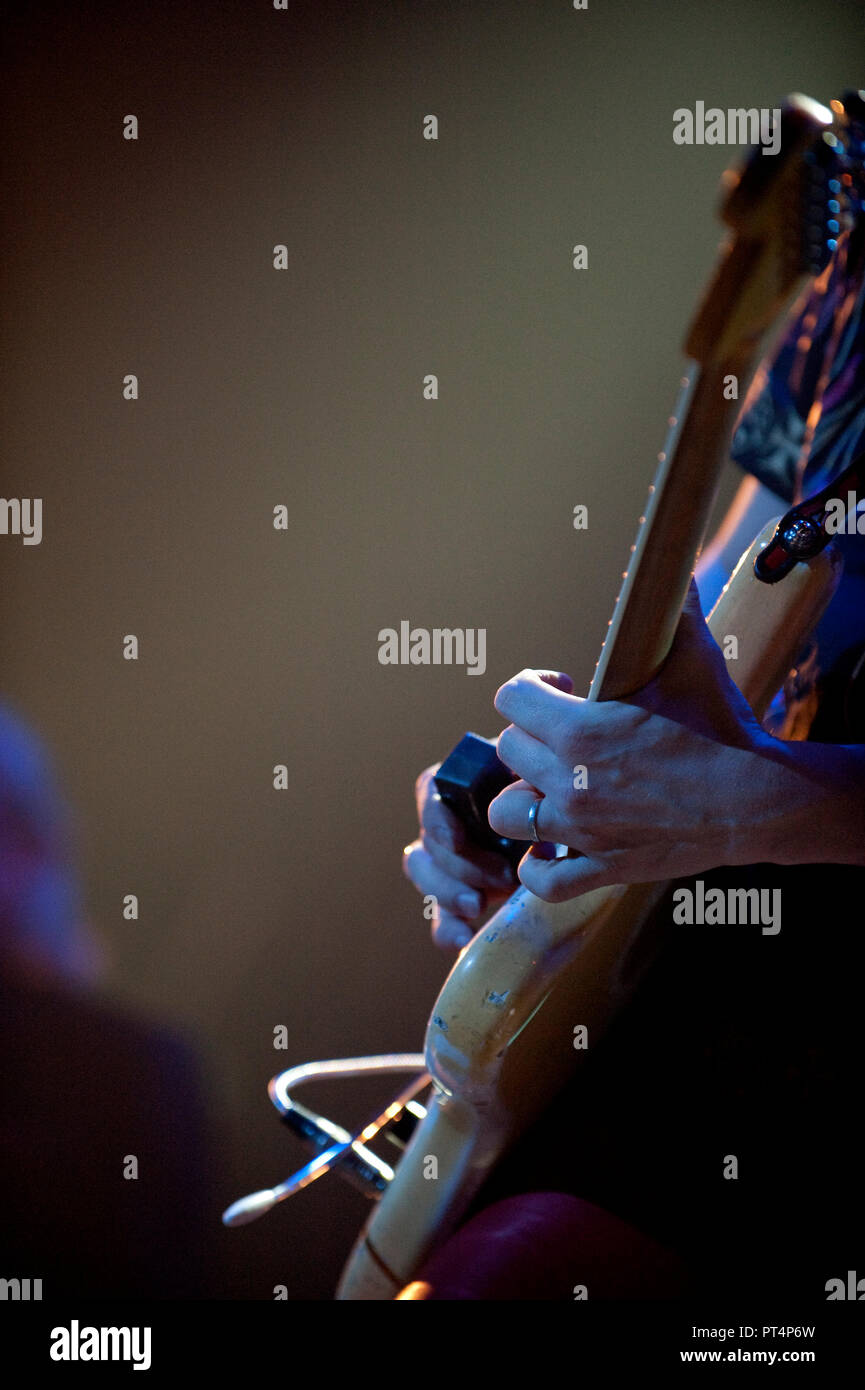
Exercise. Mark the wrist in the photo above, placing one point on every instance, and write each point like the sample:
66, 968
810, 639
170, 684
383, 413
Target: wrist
805, 804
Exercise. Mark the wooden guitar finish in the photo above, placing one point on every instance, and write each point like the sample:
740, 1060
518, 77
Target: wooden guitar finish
499, 1044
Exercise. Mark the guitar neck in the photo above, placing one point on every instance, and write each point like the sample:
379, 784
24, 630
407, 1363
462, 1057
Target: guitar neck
670, 534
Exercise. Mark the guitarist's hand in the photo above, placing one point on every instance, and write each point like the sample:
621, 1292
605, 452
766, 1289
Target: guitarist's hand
464, 881
442, 864
679, 779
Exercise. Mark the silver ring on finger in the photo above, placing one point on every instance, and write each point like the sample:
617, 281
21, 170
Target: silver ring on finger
533, 821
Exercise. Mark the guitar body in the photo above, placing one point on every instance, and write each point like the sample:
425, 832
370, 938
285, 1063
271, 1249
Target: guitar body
499, 1044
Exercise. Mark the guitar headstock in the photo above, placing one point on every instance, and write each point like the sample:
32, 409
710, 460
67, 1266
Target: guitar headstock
786, 213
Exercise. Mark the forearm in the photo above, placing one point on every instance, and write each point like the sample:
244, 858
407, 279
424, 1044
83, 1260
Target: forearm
804, 804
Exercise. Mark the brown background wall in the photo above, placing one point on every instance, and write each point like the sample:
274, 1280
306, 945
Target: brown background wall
304, 387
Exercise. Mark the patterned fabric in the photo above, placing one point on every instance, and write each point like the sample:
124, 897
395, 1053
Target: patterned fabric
803, 420
801, 426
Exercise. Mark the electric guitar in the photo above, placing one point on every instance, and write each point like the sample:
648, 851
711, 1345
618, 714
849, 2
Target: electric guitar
499, 1043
